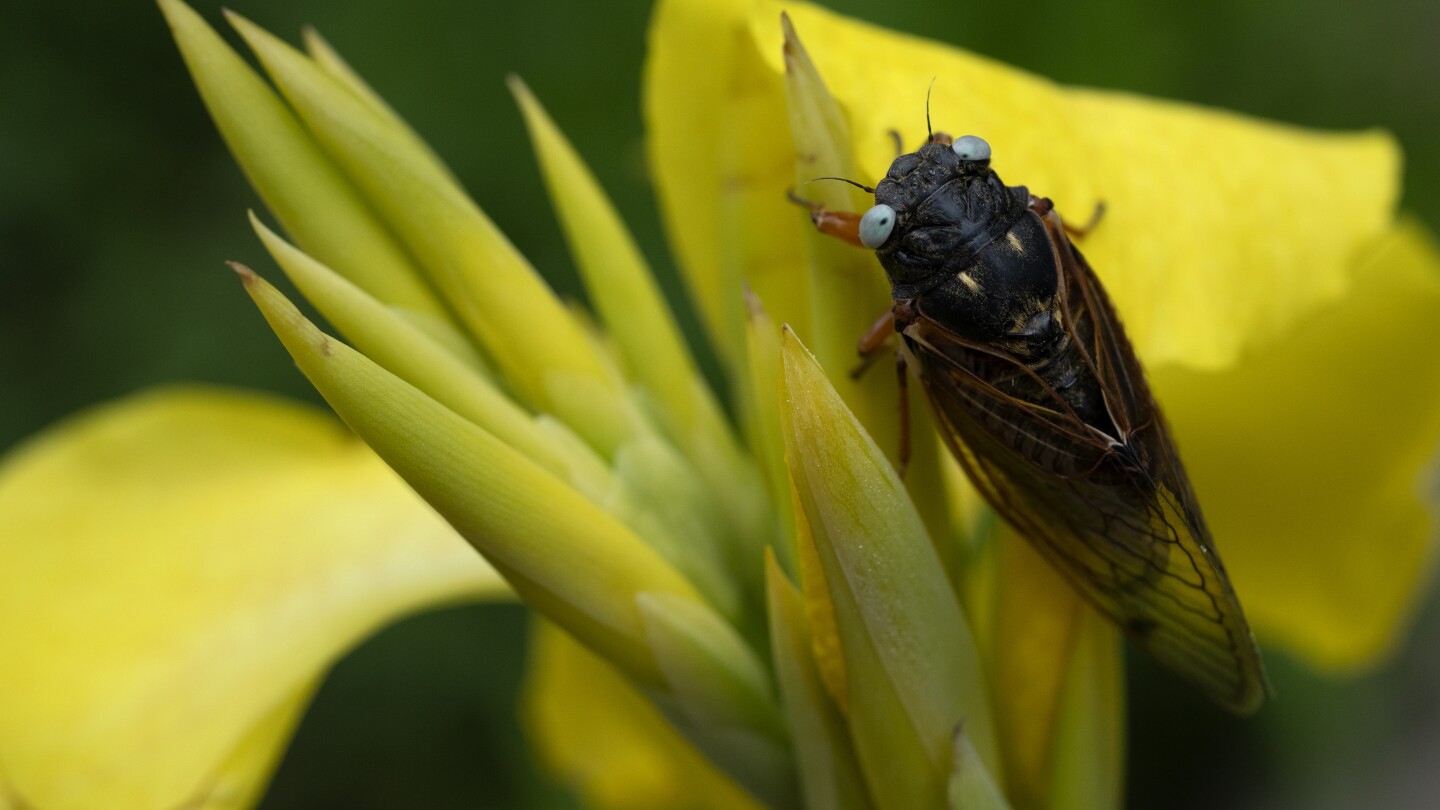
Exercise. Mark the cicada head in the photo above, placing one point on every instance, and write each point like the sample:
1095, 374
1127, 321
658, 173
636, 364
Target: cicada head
948, 230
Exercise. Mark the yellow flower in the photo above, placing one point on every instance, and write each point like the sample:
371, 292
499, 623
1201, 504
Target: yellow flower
766, 613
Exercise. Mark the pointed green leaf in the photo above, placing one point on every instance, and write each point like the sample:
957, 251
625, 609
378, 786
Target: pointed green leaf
533, 339
401, 348
329, 60
971, 785
900, 626
599, 735
718, 693
564, 555
315, 203
639, 322
617, 277
848, 291
829, 773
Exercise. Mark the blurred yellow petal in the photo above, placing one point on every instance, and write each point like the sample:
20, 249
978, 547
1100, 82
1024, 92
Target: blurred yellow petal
1087, 771
1220, 231
603, 738
1309, 460
176, 570
1037, 615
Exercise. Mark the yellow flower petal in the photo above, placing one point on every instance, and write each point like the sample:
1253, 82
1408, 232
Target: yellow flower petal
176, 570
1087, 771
603, 738
1308, 460
1220, 231
1060, 685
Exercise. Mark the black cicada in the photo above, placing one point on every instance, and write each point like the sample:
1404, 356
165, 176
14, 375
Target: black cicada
1041, 398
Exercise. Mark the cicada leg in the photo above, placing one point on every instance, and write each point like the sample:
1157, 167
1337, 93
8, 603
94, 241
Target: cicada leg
902, 389
839, 224
871, 347
876, 338
1043, 206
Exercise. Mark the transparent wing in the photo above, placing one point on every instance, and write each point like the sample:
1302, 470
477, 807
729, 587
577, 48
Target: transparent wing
1115, 514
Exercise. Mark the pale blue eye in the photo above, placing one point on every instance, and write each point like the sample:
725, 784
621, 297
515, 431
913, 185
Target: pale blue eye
876, 225
971, 147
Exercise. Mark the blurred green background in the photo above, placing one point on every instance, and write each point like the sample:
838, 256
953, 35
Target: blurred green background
118, 205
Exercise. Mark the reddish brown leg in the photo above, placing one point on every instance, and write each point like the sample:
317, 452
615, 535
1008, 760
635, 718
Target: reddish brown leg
1081, 231
902, 386
839, 224
876, 338
1042, 206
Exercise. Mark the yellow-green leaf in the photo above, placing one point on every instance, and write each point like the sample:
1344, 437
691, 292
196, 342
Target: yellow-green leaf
487, 283
910, 661
599, 735
321, 209
824, 756
563, 554
718, 693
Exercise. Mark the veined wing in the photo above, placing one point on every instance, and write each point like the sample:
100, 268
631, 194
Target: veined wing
1114, 514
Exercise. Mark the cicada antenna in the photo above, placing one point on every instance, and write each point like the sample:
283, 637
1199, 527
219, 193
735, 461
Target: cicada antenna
861, 186
929, 132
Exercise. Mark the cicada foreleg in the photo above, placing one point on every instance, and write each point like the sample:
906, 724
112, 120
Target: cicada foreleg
843, 225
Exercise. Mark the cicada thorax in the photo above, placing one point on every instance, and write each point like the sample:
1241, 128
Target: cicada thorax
1038, 393
976, 279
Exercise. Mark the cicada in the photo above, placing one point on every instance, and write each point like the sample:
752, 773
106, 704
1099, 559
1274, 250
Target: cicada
1038, 393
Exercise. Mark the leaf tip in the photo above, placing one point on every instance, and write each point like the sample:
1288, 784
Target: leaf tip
247, 276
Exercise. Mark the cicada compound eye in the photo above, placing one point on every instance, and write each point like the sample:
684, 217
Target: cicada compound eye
971, 147
876, 225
